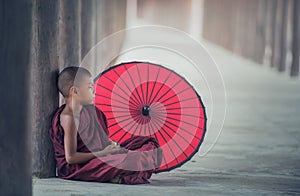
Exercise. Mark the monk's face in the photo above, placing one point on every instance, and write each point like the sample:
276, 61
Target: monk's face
85, 91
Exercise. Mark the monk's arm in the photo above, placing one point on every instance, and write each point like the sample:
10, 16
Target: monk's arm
70, 143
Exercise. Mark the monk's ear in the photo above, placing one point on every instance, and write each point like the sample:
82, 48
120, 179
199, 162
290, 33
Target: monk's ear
73, 91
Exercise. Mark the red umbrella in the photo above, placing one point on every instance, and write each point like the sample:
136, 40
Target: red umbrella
147, 99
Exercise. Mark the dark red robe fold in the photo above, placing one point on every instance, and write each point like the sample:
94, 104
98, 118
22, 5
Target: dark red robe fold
134, 165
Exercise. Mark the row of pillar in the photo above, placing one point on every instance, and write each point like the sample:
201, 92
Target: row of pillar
38, 39
266, 31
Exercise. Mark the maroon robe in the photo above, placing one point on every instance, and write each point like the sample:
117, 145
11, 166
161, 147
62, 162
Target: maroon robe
92, 136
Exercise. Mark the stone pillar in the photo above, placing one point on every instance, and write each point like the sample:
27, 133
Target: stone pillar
283, 36
69, 40
15, 161
296, 39
88, 30
43, 91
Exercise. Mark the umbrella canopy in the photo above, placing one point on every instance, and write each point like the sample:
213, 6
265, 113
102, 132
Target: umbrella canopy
141, 98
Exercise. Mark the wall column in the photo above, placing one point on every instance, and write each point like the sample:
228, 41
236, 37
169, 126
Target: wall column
15, 35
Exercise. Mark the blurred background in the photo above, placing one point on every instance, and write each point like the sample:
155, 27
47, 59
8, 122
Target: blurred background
264, 31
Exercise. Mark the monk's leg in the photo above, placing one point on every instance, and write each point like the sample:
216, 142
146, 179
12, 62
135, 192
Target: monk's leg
143, 161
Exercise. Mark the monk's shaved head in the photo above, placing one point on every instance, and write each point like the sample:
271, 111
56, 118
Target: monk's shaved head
66, 78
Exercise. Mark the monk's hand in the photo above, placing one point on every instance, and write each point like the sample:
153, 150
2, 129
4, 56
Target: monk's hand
114, 142
115, 148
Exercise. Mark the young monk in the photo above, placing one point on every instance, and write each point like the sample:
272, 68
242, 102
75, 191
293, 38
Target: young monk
81, 144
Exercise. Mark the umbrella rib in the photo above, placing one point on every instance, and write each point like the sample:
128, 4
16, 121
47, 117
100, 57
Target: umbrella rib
169, 90
143, 123
150, 124
140, 121
119, 128
159, 109
154, 83
180, 136
178, 146
109, 111
178, 114
185, 122
136, 101
140, 99
160, 88
145, 127
126, 132
100, 95
136, 128
178, 133
140, 85
150, 133
175, 94
147, 84
155, 106
120, 122
110, 105
167, 142
184, 107
121, 116
166, 120
181, 101
115, 93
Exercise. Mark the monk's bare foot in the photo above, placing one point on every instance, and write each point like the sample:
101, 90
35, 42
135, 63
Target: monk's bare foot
116, 180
